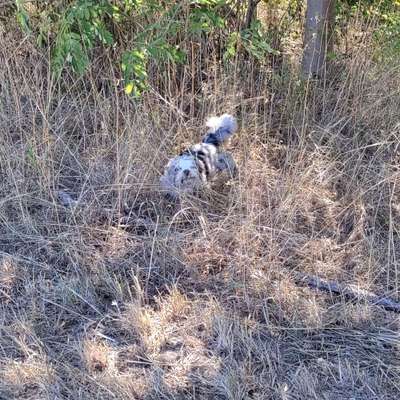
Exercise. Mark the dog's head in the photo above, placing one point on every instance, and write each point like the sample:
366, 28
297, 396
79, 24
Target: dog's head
187, 174
182, 175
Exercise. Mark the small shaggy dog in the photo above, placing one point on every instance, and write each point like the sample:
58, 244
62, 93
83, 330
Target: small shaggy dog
197, 166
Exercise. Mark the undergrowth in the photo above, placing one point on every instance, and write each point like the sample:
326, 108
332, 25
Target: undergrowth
126, 295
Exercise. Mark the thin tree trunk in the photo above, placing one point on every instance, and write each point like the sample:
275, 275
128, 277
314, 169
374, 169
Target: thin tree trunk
251, 13
318, 36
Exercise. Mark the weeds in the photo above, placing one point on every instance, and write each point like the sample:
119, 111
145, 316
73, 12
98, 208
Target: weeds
125, 295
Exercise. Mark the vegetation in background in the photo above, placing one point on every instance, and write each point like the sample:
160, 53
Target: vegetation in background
160, 31
163, 32
384, 15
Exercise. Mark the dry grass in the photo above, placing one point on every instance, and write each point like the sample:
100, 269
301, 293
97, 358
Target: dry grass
128, 296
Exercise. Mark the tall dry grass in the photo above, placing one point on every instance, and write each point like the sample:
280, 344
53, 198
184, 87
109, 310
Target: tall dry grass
128, 296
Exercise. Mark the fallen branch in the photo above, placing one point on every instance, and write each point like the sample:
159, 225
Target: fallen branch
348, 291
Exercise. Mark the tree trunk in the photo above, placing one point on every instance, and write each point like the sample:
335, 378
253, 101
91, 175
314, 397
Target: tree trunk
318, 36
251, 13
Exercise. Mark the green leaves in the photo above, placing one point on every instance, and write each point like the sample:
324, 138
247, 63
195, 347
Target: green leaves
134, 69
256, 43
134, 64
79, 28
69, 50
205, 20
22, 16
231, 46
153, 42
157, 33
161, 50
253, 40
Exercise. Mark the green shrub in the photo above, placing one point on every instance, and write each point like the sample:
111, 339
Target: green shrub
158, 30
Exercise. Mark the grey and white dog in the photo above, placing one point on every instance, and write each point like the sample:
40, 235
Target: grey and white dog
197, 166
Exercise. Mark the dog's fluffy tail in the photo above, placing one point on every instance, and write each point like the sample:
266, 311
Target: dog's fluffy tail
220, 129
